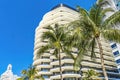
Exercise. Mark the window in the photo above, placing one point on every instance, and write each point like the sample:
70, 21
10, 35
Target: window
114, 46
119, 70
45, 69
116, 53
118, 61
45, 63
70, 79
45, 76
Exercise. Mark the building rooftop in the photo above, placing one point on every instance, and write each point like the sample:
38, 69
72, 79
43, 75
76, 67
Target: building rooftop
63, 5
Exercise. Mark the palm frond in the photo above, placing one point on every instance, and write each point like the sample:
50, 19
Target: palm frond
95, 14
49, 35
78, 59
49, 28
99, 1
68, 53
103, 2
43, 49
24, 72
111, 35
55, 53
106, 10
113, 19
20, 79
82, 11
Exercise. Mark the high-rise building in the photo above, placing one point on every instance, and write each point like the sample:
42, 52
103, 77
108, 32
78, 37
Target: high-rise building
48, 64
115, 5
8, 74
116, 51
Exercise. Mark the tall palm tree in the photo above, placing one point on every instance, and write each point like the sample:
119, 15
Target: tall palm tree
90, 75
56, 39
88, 30
30, 74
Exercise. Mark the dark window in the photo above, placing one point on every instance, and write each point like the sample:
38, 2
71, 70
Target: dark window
118, 61
114, 46
116, 53
45, 69
119, 70
45, 76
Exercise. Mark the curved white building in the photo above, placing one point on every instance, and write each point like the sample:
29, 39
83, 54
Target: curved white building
8, 74
115, 5
48, 65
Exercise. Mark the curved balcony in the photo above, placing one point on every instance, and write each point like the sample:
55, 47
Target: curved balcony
106, 57
39, 45
63, 9
44, 73
53, 21
43, 66
71, 75
62, 61
57, 69
94, 64
100, 71
38, 61
97, 60
65, 76
60, 14
41, 30
106, 51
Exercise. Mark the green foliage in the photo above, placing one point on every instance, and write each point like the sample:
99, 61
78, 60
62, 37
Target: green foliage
90, 75
57, 40
30, 74
91, 26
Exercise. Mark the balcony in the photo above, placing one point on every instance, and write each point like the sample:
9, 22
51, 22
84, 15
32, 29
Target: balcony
69, 75
44, 73
62, 61
43, 66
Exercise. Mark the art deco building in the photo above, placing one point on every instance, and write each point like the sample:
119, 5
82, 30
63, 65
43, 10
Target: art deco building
48, 64
8, 74
116, 51
115, 5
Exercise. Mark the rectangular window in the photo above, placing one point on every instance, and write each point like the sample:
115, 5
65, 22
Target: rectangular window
116, 53
114, 46
45, 69
118, 61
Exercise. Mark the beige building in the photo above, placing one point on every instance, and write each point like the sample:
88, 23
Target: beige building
48, 65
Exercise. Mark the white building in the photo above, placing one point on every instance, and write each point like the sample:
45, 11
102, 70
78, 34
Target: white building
115, 4
48, 65
8, 74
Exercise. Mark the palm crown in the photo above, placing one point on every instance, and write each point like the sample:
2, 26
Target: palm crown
55, 39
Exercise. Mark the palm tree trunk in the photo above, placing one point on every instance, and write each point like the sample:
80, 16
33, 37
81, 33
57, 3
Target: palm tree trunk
102, 58
60, 65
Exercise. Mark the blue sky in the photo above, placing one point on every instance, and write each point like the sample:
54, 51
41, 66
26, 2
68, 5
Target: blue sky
18, 20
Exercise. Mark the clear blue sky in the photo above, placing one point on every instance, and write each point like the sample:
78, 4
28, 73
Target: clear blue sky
18, 20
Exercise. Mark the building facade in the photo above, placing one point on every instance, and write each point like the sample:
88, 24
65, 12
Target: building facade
8, 74
48, 64
115, 5
116, 51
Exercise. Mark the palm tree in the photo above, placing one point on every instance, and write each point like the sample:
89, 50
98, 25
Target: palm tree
90, 75
30, 74
88, 30
56, 41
